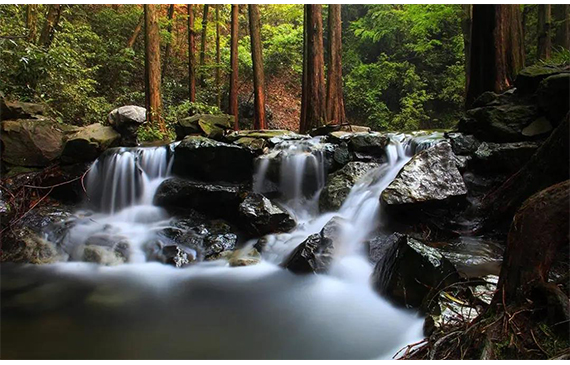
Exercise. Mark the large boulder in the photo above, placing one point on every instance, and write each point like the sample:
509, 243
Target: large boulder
369, 143
127, 120
209, 160
462, 144
411, 273
505, 158
89, 142
215, 199
431, 175
20, 110
554, 96
261, 216
500, 123
341, 182
31, 142
271, 136
315, 254
209, 125
529, 78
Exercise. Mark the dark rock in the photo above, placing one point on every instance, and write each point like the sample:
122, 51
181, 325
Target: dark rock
502, 123
208, 160
411, 273
209, 125
261, 216
216, 244
19, 110
273, 136
462, 144
539, 127
315, 254
378, 246
215, 199
370, 143
89, 142
126, 120
256, 145
430, 175
529, 78
340, 182
502, 157
31, 142
554, 96
170, 253
342, 154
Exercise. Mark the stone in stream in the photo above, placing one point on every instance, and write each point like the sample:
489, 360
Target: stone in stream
370, 143
315, 254
209, 160
209, 125
341, 182
126, 120
260, 216
431, 175
89, 142
502, 158
462, 144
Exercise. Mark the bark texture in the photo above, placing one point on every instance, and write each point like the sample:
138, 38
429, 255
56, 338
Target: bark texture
218, 59
170, 16
52, 19
191, 57
233, 110
204, 35
152, 66
561, 15
466, 25
544, 27
136, 32
31, 21
335, 100
258, 76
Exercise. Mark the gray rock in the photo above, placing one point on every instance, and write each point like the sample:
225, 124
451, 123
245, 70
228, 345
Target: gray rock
126, 120
430, 175
502, 157
261, 216
462, 144
529, 78
554, 96
209, 160
102, 255
539, 127
370, 143
340, 182
89, 142
209, 125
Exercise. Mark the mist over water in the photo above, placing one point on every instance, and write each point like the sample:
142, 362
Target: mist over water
210, 310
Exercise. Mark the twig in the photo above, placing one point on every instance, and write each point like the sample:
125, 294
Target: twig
537, 344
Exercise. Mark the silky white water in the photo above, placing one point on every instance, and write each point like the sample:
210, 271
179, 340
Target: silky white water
209, 310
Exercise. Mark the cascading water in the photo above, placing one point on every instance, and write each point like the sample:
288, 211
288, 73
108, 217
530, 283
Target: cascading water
209, 310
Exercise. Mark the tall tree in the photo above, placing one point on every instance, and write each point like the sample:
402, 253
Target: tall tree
496, 49
313, 104
561, 13
234, 65
52, 20
170, 16
31, 21
203, 42
544, 25
466, 25
335, 100
258, 76
136, 32
152, 67
218, 58
191, 58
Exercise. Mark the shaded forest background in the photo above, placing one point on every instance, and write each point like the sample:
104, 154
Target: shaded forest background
403, 65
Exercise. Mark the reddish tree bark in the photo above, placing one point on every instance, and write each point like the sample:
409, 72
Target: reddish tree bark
234, 65
52, 19
544, 26
335, 99
258, 76
203, 42
313, 107
152, 66
31, 21
136, 32
218, 59
467, 24
497, 52
170, 16
191, 58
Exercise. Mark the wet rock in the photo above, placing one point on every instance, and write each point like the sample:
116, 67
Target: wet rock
261, 216
6, 211
342, 154
315, 254
378, 246
24, 245
31, 142
215, 199
529, 78
462, 144
257, 145
216, 244
370, 143
502, 157
554, 96
126, 120
411, 273
20, 110
102, 255
273, 136
539, 127
502, 123
89, 142
209, 125
252, 257
431, 175
340, 182
208, 160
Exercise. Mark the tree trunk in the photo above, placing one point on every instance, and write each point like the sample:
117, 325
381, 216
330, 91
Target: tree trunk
314, 99
218, 59
152, 66
548, 166
304, 75
562, 20
258, 76
466, 25
234, 110
497, 52
31, 21
544, 24
203, 43
136, 32
170, 16
335, 100
52, 19
191, 58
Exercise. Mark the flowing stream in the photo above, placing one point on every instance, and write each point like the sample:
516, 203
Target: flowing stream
209, 310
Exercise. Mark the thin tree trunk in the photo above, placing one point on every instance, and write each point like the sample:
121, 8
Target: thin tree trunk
562, 18
335, 100
234, 110
304, 75
544, 24
136, 32
203, 43
52, 19
467, 26
218, 58
315, 113
170, 15
31, 21
152, 66
258, 76
191, 58
497, 52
